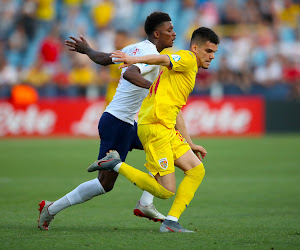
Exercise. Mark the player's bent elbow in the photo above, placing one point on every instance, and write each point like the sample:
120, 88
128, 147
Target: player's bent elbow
127, 76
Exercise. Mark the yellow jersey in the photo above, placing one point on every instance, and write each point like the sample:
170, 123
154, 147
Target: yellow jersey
170, 90
115, 74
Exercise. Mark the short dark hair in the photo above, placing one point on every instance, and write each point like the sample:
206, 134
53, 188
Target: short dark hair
154, 20
203, 34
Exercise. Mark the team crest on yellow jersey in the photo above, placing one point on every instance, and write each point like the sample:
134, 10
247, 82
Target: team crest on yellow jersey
163, 162
176, 58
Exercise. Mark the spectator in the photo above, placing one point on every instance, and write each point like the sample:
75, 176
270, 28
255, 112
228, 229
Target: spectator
17, 44
270, 74
45, 13
8, 77
81, 76
61, 78
8, 12
103, 14
38, 77
74, 22
51, 49
291, 75
28, 19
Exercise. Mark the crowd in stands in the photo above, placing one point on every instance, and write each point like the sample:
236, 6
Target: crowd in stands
259, 53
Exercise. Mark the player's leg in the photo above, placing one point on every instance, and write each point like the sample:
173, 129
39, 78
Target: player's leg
84, 192
159, 156
115, 135
144, 207
87, 190
141, 179
194, 173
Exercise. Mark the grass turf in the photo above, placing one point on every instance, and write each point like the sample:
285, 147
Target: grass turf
249, 198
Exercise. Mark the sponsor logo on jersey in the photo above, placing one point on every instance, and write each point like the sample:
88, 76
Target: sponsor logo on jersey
176, 58
135, 51
163, 162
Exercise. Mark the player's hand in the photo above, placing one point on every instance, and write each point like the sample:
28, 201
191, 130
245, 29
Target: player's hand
80, 46
199, 151
120, 56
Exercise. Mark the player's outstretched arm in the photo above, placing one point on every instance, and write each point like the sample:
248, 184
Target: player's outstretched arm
82, 46
119, 56
133, 75
180, 126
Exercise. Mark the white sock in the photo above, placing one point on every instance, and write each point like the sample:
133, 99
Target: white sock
58, 205
146, 199
117, 167
82, 193
169, 217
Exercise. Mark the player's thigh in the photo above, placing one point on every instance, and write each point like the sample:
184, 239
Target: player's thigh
135, 143
184, 157
115, 135
159, 154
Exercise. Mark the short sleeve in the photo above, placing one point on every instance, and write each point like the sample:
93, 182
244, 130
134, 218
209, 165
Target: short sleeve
145, 68
143, 50
182, 60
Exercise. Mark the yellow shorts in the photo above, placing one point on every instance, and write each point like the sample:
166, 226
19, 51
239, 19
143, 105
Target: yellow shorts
162, 146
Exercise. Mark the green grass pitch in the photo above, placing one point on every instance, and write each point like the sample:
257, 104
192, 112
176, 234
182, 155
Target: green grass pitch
249, 198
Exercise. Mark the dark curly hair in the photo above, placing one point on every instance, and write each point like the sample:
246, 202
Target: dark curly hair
203, 34
154, 20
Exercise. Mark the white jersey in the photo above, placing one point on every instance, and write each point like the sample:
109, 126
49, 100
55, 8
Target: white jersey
129, 97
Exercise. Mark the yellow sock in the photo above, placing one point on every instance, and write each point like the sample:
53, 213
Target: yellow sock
144, 181
186, 190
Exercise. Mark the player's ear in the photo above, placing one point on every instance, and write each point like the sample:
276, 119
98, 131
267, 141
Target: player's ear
156, 34
194, 47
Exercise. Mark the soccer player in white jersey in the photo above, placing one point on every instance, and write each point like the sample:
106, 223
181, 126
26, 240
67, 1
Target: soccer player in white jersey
117, 128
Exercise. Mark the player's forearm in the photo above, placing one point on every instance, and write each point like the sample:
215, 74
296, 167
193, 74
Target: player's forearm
180, 126
99, 57
133, 75
162, 60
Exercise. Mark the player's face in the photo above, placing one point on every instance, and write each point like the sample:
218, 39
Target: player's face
205, 53
167, 34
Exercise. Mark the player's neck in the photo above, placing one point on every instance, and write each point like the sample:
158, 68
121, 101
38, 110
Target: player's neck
156, 43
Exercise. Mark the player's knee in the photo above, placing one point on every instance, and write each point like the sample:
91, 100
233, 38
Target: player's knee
201, 170
107, 181
197, 172
166, 194
107, 186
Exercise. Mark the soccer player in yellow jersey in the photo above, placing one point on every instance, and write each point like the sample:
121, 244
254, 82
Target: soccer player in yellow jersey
161, 128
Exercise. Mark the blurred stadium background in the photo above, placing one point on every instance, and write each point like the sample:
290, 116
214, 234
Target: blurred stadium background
259, 56
259, 53
248, 199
